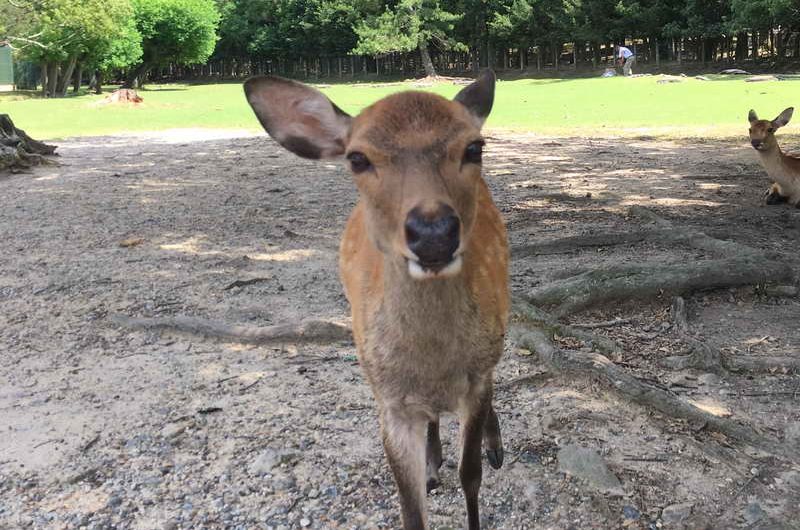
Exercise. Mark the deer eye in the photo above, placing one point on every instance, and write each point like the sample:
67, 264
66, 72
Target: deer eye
771, 130
474, 152
359, 162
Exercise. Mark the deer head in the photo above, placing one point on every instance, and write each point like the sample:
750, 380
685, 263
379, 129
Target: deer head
762, 132
415, 158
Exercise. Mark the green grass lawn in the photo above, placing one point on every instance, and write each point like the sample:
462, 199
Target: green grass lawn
584, 107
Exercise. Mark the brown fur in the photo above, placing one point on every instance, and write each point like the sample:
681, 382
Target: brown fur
426, 346
782, 168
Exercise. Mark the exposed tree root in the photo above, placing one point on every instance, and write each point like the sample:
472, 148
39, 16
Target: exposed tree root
704, 357
741, 265
534, 315
535, 329
599, 368
315, 331
18, 151
572, 244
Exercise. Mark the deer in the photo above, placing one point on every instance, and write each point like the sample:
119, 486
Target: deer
782, 168
424, 264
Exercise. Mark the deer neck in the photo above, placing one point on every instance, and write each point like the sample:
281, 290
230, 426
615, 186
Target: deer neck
773, 161
425, 303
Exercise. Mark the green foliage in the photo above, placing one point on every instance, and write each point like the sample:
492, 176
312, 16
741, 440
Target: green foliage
180, 31
406, 26
65, 28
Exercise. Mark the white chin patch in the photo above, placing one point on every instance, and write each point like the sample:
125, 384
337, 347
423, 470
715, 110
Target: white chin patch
419, 273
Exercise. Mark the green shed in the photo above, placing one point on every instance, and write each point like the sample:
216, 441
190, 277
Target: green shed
6, 68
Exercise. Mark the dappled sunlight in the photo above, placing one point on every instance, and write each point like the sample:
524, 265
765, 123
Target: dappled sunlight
80, 500
642, 200
190, 246
52, 176
711, 406
286, 255
211, 371
150, 185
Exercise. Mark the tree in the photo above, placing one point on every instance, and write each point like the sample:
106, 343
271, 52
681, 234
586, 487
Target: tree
63, 33
173, 31
410, 25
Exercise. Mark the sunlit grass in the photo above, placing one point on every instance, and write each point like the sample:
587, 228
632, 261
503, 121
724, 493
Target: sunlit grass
575, 107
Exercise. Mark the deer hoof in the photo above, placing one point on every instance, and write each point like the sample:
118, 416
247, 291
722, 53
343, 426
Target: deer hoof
432, 484
495, 457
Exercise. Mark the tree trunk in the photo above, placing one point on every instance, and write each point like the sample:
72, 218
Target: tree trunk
680, 50
755, 46
135, 77
45, 82
430, 71
66, 77
780, 44
556, 55
52, 79
78, 79
17, 149
521, 58
98, 86
658, 54
741, 46
574, 55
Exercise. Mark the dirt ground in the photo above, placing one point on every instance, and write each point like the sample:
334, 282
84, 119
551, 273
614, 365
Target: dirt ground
104, 427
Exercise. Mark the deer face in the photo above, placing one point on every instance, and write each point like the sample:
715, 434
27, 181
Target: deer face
762, 132
415, 158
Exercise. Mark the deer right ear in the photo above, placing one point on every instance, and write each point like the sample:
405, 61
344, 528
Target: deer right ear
752, 116
478, 97
783, 118
300, 118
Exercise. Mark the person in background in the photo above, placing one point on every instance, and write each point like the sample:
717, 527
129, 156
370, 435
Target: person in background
626, 59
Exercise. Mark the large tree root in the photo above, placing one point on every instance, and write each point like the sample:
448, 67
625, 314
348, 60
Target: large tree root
535, 329
741, 265
18, 151
704, 357
599, 368
541, 319
314, 331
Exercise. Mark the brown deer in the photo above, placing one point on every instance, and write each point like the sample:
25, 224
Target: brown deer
782, 168
424, 263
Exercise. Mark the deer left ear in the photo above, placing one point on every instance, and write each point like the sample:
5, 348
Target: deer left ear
752, 116
783, 118
301, 118
478, 97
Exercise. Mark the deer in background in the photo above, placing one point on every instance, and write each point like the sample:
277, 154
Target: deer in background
782, 168
424, 263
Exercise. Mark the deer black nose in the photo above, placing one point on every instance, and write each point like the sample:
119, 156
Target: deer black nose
755, 143
433, 238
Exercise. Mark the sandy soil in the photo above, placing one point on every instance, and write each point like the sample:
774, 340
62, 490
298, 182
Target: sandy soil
107, 428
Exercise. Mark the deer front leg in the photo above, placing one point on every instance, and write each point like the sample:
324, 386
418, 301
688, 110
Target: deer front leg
433, 456
473, 418
493, 439
774, 195
404, 444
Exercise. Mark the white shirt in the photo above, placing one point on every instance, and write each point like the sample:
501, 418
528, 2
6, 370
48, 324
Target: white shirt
624, 52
